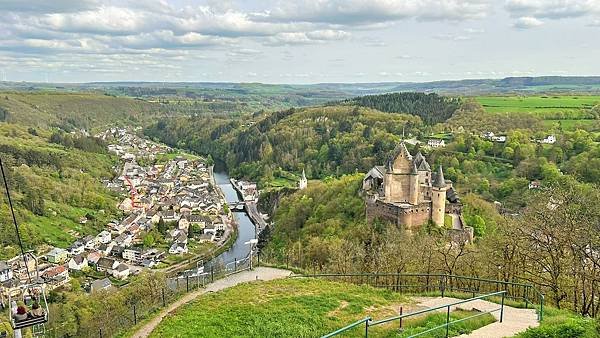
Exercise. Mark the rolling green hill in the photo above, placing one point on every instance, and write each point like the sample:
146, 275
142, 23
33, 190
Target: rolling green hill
53, 187
72, 110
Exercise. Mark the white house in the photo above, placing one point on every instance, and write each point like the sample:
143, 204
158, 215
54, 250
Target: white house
106, 264
210, 228
550, 139
76, 248
178, 248
89, 242
78, 263
101, 284
6, 273
104, 237
121, 271
436, 143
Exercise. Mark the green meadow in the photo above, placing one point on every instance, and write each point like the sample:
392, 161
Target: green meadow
302, 308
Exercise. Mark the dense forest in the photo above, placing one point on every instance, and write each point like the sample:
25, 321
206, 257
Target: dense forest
431, 108
325, 141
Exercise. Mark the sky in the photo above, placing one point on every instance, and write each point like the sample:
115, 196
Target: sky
300, 41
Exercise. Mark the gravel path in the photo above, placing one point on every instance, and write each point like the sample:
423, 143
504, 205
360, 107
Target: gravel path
260, 273
514, 321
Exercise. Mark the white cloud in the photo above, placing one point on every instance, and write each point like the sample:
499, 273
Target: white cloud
346, 12
552, 9
47, 6
298, 38
527, 22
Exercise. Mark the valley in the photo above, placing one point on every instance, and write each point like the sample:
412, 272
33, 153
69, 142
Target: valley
149, 178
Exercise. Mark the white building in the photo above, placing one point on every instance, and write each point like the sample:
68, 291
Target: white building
436, 143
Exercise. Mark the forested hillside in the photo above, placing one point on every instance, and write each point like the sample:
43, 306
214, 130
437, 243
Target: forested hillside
331, 140
53, 187
70, 111
432, 108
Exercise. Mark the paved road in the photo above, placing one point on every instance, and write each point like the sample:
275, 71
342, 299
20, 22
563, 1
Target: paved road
514, 321
260, 273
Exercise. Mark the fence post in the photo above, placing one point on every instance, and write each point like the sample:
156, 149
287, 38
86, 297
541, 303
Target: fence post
526, 296
212, 273
187, 283
235, 265
401, 318
134, 315
258, 258
448, 322
101, 333
502, 307
443, 285
163, 297
366, 328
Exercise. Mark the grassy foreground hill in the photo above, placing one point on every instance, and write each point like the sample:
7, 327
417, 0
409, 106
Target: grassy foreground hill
298, 308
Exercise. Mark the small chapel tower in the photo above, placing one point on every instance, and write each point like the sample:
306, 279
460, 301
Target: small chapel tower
303, 181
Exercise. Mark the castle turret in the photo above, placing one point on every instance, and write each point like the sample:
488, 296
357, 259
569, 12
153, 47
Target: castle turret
414, 185
438, 198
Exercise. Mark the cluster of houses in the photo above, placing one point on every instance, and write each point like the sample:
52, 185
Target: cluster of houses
180, 194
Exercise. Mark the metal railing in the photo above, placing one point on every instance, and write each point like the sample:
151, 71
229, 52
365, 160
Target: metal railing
370, 323
421, 283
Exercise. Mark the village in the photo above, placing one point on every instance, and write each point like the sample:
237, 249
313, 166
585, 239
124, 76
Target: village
172, 209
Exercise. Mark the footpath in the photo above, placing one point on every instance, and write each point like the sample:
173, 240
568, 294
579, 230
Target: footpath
260, 273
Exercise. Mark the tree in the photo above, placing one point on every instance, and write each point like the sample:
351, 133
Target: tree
149, 240
162, 227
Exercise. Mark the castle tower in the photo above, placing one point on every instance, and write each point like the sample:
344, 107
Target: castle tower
414, 185
303, 181
438, 198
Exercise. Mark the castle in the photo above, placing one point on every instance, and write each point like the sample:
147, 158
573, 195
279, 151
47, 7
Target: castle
406, 192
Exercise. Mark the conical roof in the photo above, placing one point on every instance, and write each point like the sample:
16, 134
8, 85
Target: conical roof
439, 181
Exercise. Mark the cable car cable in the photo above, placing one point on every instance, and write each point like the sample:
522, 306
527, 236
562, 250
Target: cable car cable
12, 211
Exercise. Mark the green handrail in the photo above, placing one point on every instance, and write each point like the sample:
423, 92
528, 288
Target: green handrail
351, 326
382, 321
443, 284
369, 322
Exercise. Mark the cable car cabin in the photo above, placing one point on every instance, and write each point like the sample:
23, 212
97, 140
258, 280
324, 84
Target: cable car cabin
30, 308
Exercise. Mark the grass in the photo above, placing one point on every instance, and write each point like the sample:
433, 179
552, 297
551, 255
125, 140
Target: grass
303, 308
290, 307
568, 109
563, 323
430, 321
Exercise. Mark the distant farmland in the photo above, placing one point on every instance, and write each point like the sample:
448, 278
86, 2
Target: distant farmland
549, 107
567, 112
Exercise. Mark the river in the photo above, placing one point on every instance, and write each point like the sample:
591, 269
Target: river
246, 230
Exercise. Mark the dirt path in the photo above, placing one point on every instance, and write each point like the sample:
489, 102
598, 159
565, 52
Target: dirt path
514, 320
260, 273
